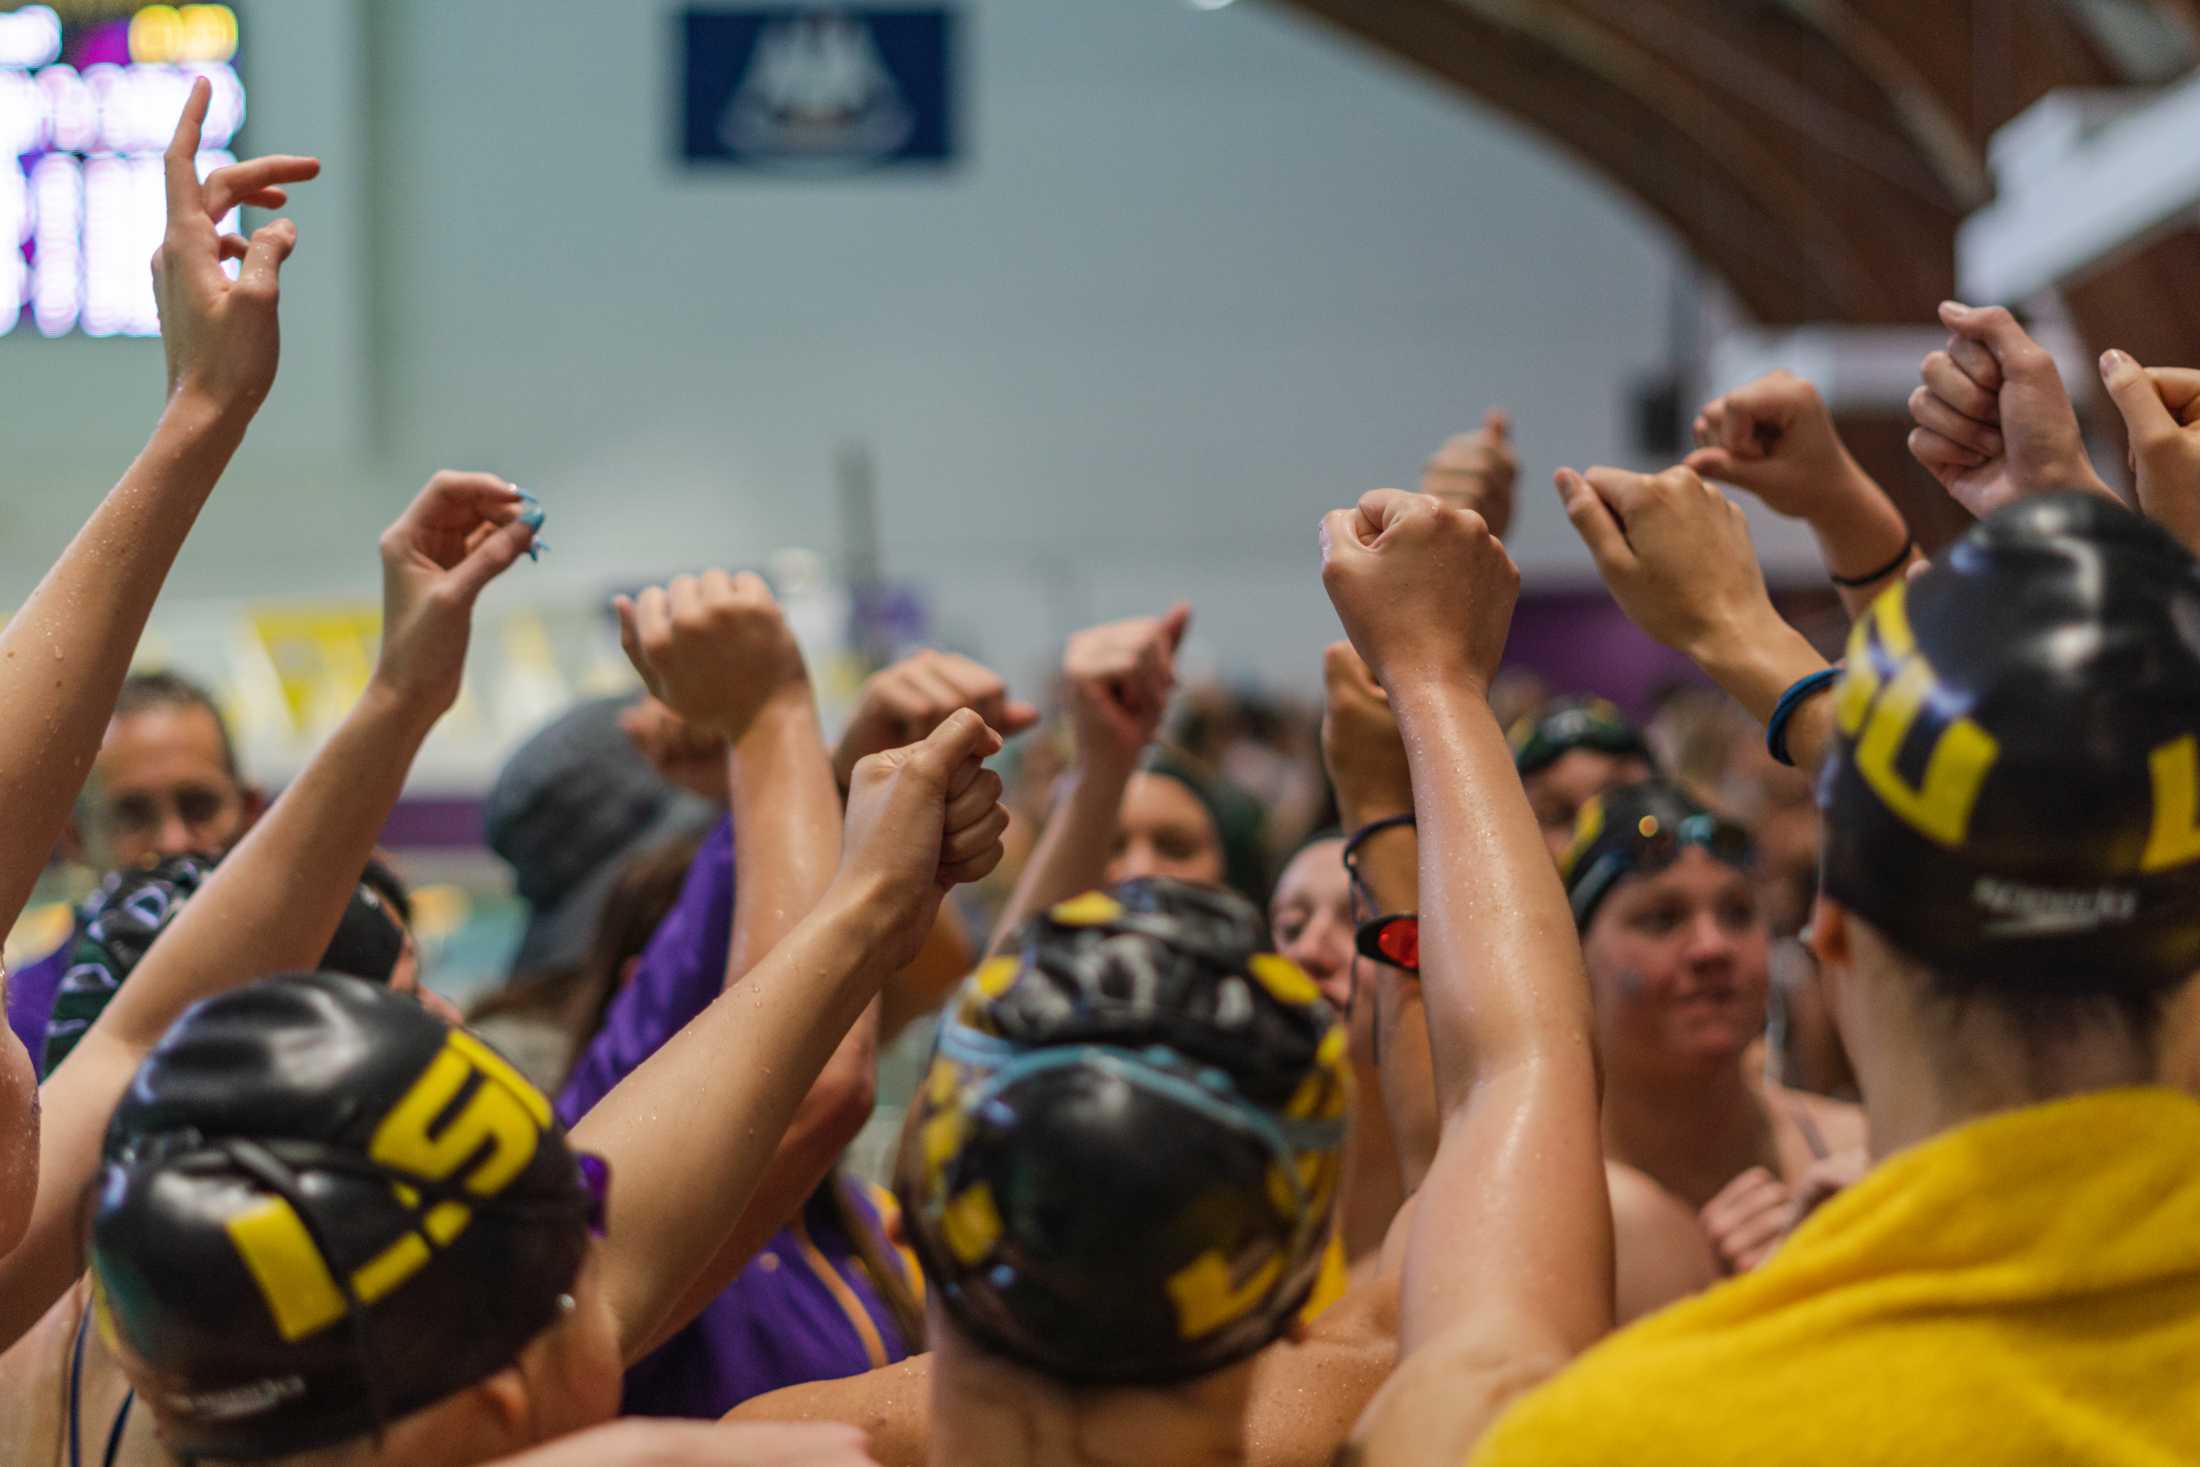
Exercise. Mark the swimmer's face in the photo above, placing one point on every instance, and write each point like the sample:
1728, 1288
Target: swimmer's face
1163, 830
163, 786
1678, 961
18, 1134
1557, 791
1311, 917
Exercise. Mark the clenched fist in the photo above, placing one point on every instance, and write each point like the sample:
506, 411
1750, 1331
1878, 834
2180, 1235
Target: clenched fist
1423, 588
923, 820
907, 701
1994, 421
1118, 679
1477, 471
714, 649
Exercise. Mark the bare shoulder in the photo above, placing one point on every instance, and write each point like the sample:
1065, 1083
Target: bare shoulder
1660, 1253
892, 1404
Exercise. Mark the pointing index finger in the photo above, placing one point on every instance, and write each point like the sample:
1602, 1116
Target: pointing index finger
185, 196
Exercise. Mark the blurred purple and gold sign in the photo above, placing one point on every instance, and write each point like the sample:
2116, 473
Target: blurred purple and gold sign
819, 89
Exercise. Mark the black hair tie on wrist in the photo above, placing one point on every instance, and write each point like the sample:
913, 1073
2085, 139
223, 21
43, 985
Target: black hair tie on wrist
1857, 583
1393, 940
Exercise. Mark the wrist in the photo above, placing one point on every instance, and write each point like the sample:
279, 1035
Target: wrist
789, 712
868, 911
193, 408
1756, 668
1358, 809
405, 711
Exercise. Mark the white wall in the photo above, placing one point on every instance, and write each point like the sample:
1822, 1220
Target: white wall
1201, 277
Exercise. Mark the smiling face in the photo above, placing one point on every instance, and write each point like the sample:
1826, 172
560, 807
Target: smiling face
1678, 961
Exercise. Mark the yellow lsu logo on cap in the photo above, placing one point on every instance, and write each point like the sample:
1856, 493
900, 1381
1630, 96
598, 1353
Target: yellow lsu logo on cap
502, 1122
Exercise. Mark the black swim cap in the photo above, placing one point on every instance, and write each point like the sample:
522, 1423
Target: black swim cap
1541, 740
2012, 799
322, 1210
116, 926
1640, 828
1126, 1154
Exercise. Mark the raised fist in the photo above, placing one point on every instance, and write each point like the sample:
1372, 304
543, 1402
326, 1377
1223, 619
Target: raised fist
1423, 588
713, 648
1118, 679
1361, 745
1775, 438
1675, 552
1477, 471
904, 703
1994, 421
923, 820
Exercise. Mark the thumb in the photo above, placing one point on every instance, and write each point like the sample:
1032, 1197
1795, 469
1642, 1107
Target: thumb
1592, 520
2145, 414
263, 261
1175, 622
1712, 463
964, 735
1018, 718
492, 558
1498, 424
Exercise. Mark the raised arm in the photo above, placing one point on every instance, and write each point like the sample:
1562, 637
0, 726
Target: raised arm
1677, 557
1116, 680
1368, 768
1775, 438
1508, 1269
64, 653
920, 821
275, 902
718, 656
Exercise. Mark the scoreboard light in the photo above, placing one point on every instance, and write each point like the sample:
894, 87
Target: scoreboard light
89, 96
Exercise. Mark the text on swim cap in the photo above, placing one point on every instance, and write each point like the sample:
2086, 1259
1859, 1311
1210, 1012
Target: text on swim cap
1886, 695
496, 1132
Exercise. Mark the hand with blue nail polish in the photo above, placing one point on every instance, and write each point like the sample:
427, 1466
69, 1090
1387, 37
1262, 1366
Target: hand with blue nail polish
463, 532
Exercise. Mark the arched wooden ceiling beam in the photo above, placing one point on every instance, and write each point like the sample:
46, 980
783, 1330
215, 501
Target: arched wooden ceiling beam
1922, 112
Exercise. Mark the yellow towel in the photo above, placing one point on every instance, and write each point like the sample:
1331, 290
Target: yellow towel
2023, 1291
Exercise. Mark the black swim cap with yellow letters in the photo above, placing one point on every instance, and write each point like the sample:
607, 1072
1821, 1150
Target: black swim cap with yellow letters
1125, 1157
2015, 795
321, 1210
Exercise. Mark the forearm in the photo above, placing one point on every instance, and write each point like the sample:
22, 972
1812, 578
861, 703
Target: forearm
64, 654
830, 1118
1755, 665
1500, 973
1859, 531
735, 1077
786, 826
1519, 1169
1072, 855
1389, 865
270, 907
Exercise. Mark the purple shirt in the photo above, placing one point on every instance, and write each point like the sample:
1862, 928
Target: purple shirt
30, 998
805, 1308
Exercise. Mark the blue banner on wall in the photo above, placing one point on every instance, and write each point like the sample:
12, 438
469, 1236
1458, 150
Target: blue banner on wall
819, 88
